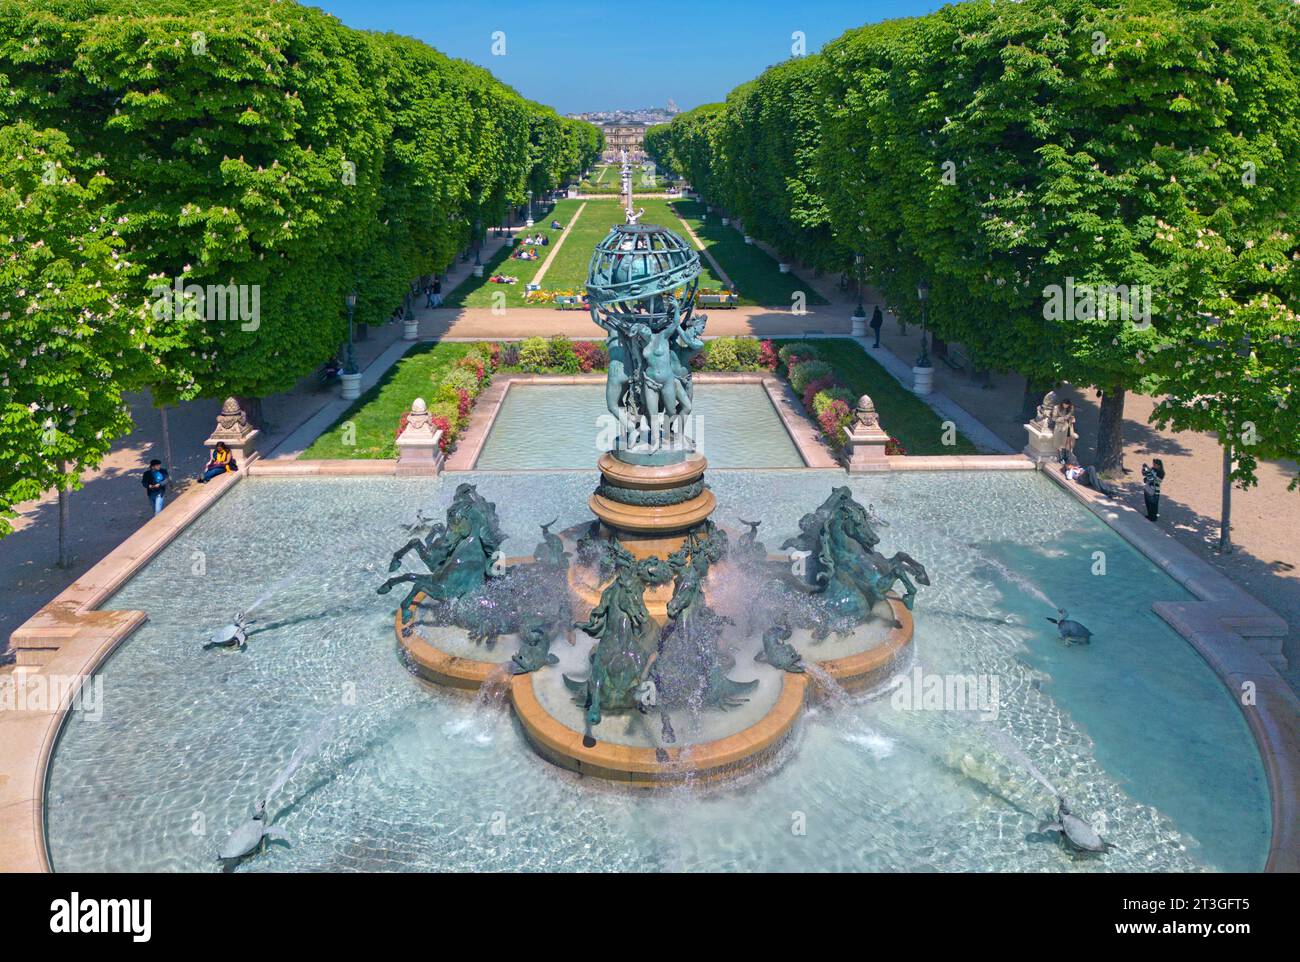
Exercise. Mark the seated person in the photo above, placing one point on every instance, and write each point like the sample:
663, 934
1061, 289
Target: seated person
221, 462
555, 225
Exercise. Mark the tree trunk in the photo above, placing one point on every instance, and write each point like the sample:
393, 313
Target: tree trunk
65, 556
1225, 513
1110, 431
1033, 396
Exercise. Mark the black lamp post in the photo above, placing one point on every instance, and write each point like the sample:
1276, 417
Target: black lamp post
922, 295
478, 245
350, 361
411, 295
859, 260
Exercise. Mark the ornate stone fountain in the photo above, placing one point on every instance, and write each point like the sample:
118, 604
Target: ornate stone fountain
707, 649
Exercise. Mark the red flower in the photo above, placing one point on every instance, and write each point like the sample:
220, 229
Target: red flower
813, 388
464, 402
894, 447
590, 355
443, 425
767, 355
833, 419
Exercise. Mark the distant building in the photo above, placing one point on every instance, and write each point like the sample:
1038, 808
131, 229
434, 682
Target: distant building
625, 136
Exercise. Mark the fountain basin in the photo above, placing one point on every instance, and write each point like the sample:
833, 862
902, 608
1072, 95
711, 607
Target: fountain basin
645, 767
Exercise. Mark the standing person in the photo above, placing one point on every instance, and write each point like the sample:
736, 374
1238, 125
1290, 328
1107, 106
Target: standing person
437, 291
428, 296
1152, 475
1063, 428
221, 462
877, 321
155, 484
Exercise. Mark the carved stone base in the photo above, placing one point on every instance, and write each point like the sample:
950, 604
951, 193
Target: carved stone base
643, 502
649, 509
1042, 443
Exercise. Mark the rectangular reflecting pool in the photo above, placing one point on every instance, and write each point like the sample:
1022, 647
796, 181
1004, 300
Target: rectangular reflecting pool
566, 426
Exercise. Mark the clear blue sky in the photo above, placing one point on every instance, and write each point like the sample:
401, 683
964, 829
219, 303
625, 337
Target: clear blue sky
578, 55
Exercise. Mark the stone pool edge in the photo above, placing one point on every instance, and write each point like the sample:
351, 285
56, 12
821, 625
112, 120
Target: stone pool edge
78, 639
802, 433
1230, 630
60, 647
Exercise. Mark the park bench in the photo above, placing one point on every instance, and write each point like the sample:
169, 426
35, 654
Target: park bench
725, 301
570, 302
956, 358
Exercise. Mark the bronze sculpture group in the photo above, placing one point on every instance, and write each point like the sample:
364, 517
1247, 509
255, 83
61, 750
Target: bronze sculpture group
832, 581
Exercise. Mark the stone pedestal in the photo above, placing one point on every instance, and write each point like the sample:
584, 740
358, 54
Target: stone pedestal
859, 322
418, 450
1042, 442
923, 380
865, 439
410, 330
233, 428
650, 508
349, 386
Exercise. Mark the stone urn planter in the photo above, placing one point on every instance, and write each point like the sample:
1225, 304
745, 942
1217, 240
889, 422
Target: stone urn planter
478, 270
349, 386
748, 239
726, 221
410, 329
859, 322
923, 380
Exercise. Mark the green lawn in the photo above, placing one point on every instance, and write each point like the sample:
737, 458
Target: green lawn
376, 414
902, 413
606, 180
478, 291
751, 268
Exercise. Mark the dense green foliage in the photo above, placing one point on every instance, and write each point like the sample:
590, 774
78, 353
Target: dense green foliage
261, 160
70, 330
1005, 153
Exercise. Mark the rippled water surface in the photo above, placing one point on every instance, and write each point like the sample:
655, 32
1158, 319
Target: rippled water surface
1135, 729
564, 426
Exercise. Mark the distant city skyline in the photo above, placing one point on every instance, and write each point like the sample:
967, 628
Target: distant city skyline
591, 56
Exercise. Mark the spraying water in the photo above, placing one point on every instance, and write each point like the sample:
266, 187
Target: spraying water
853, 728
306, 750
1019, 580
1015, 752
485, 713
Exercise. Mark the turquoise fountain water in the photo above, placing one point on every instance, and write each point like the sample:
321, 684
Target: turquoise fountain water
553, 426
1135, 730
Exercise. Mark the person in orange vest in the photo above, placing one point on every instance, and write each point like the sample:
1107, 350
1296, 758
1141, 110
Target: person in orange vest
220, 462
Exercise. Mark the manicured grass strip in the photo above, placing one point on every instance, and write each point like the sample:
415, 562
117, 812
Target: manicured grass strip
376, 414
568, 272
902, 413
751, 268
479, 291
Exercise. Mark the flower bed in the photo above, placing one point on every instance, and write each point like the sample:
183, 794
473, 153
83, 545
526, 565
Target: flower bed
828, 402
454, 375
